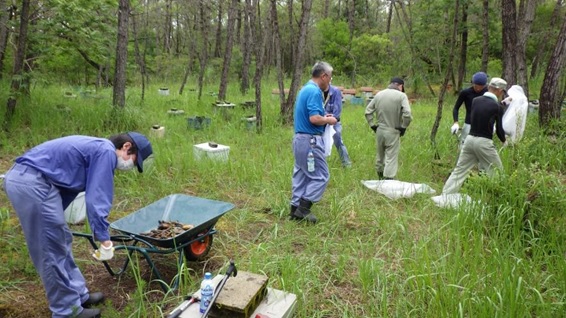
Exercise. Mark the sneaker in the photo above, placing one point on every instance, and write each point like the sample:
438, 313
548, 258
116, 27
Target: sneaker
93, 299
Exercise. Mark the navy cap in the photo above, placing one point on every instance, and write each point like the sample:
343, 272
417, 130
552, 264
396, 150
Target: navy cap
400, 81
480, 78
144, 148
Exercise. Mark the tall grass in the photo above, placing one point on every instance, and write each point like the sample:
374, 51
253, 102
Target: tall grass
368, 256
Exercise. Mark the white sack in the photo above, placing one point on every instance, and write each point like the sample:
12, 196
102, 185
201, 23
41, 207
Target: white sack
394, 189
327, 139
515, 117
76, 211
452, 200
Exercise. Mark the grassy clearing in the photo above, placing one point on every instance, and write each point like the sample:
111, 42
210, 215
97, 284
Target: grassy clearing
369, 256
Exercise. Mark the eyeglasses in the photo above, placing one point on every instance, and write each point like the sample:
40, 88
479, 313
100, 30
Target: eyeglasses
328, 76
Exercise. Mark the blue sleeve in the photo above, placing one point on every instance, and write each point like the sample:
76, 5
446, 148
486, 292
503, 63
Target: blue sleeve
99, 193
314, 102
337, 96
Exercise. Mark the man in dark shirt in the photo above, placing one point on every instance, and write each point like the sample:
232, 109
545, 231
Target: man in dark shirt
478, 147
479, 81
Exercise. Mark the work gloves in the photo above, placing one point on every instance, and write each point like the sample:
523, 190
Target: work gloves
454, 129
401, 130
374, 128
104, 253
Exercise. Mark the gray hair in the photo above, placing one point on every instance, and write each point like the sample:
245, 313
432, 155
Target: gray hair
320, 68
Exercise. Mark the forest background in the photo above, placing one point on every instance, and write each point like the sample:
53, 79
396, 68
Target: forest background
116, 55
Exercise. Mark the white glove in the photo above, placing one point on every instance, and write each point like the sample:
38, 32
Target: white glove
507, 101
454, 129
104, 253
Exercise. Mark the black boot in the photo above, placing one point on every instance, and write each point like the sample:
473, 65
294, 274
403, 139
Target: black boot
293, 209
303, 212
380, 175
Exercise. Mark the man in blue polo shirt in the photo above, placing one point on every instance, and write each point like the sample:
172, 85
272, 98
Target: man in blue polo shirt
310, 172
40, 186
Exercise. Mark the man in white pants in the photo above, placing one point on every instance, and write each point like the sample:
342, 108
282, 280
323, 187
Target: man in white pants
478, 147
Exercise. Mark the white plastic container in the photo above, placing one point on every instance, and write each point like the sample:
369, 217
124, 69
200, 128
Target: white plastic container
164, 91
207, 150
157, 131
76, 211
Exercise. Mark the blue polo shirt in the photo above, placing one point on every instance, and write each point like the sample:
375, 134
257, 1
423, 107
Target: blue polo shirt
75, 164
308, 103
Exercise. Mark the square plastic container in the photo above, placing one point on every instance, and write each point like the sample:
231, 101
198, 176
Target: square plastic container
218, 153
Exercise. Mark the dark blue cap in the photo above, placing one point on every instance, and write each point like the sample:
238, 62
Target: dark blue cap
480, 78
144, 148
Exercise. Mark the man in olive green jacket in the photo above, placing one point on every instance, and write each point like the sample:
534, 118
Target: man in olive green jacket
393, 118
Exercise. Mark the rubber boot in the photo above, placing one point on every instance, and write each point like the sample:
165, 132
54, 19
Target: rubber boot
292, 212
303, 212
380, 175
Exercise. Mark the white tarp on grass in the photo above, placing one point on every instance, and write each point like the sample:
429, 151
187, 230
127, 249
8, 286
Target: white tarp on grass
452, 200
394, 189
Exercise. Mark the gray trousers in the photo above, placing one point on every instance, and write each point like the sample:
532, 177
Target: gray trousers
39, 207
476, 150
388, 146
340, 147
308, 185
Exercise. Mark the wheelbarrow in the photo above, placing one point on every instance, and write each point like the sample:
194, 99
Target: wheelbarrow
192, 244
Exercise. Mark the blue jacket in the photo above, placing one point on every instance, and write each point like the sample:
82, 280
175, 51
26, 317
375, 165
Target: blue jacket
333, 102
75, 164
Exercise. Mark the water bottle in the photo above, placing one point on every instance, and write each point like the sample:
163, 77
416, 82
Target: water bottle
310, 161
206, 292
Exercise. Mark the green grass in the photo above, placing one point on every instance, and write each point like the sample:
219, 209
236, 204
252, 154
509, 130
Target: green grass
368, 256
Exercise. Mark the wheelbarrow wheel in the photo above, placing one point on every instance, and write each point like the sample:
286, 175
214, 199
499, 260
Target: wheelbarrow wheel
197, 250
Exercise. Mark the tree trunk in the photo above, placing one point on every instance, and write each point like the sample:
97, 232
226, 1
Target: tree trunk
258, 36
446, 79
550, 106
140, 59
527, 10
5, 15
192, 49
119, 91
167, 30
218, 45
543, 41
287, 110
390, 15
292, 43
326, 9
509, 35
351, 18
278, 59
17, 73
463, 49
203, 52
485, 37
246, 49
232, 11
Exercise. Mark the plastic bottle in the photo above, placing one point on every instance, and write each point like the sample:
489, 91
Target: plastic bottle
206, 292
310, 161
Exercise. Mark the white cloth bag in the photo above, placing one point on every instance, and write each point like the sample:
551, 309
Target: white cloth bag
327, 139
515, 117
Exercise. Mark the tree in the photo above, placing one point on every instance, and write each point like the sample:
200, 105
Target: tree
6, 13
550, 105
232, 11
509, 40
526, 16
445, 83
287, 109
485, 36
119, 91
17, 73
